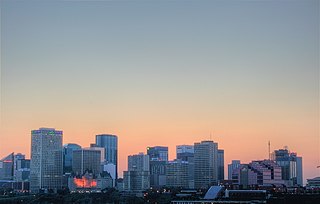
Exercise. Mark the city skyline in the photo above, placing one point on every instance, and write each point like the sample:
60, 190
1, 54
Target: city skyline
160, 154
163, 74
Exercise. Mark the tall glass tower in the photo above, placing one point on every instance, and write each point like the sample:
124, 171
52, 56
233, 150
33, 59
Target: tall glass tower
205, 164
220, 165
68, 156
110, 143
46, 168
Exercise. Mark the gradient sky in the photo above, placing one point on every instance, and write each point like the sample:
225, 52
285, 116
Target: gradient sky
163, 73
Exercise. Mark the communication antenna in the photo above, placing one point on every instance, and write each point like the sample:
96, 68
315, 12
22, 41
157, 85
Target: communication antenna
269, 150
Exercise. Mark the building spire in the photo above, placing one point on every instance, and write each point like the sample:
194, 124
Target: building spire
269, 150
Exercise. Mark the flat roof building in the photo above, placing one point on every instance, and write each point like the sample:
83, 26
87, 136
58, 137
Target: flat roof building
46, 167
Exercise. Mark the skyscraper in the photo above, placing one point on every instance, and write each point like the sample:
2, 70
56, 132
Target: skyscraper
186, 153
158, 153
68, 156
291, 166
177, 174
137, 178
205, 164
231, 167
46, 166
86, 160
158, 159
103, 154
220, 165
110, 143
21, 168
7, 167
138, 162
299, 171
111, 170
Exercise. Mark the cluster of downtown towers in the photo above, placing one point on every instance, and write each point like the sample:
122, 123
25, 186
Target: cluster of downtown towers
197, 166
50, 160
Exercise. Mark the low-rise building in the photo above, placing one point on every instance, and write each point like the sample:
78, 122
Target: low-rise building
89, 183
313, 183
262, 173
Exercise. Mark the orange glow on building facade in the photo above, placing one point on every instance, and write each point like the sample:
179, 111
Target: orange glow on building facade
85, 182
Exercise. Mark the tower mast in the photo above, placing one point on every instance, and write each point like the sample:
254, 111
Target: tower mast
269, 150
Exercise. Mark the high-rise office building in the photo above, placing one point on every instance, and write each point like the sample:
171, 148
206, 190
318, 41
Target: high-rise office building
220, 164
158, 153
157, 173
19, 156
68, 155
137, 178
110, 143
299, 171
21, 168
205, 164
177, 174
136, 181
158, 159
186, 153
46, 168
231, 167
86, 160
110, 169
291, 166
103, 154
7, 167
138, 162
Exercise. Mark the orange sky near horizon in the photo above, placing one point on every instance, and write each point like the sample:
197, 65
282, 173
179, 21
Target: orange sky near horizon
247, 138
